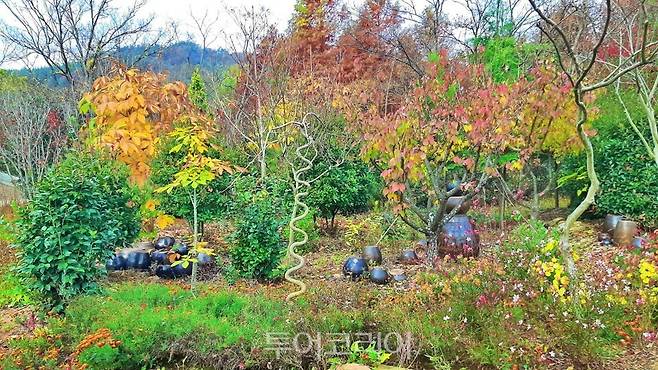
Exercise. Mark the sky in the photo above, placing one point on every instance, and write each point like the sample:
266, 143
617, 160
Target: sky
179, 11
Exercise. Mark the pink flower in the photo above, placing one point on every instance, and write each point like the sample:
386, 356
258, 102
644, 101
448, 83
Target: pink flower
481, 301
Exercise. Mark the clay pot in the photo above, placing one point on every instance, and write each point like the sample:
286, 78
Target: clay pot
164, 272
160, 257
379, 275
354, 267
204, 259
611, 222
373, 255
409, 257
459, 201
398, 275
625, 231
181, 248
459, 237
165, 242
136, 258
639, 242
180, 271
454, 184
115, 263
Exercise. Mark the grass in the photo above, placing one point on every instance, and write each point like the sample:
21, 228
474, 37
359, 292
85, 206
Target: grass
156, 323
12, 292
6, 231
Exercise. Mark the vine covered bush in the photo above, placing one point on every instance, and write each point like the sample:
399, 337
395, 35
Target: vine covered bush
80, 212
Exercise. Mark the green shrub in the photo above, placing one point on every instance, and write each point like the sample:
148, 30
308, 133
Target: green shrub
249, 188
347, 189
258, 245
104, 357
80, 212
629, 178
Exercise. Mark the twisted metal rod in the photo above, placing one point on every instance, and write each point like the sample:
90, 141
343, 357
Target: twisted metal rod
300, 184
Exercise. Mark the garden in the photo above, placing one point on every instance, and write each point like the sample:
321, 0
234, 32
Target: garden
381, 185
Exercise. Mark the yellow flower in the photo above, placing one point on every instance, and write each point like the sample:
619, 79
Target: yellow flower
647, 272
150, 205
517, 165
549, 246
564, 281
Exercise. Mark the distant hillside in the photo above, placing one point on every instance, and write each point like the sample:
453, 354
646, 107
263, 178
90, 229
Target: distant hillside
178, 60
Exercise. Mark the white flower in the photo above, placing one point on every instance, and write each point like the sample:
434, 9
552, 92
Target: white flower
446, 318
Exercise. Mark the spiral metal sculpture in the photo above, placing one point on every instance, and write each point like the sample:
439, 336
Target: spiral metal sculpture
301, 189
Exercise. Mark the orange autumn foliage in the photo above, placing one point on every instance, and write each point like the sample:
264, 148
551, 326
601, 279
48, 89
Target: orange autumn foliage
131, 110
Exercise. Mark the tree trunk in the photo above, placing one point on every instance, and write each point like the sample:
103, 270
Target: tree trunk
565, 244
534, 206
333, 224
432, 247
557, 189
195, 238
501, 204
263, 163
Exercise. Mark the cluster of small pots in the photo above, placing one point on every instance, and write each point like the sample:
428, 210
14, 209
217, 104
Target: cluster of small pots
621, 232
163, 253
356, 267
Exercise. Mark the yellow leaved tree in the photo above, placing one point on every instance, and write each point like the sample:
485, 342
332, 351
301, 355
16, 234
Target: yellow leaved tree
192, 136
129, 110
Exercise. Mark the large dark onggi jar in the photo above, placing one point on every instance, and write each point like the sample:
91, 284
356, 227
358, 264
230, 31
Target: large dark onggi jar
459, 237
